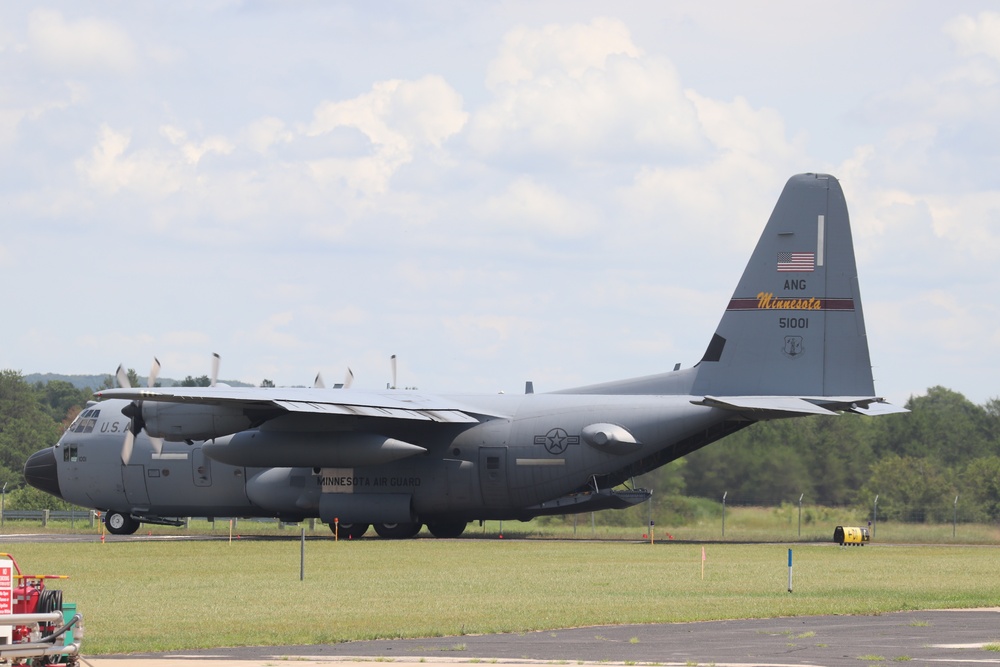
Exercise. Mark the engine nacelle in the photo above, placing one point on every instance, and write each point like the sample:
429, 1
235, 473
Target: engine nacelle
180, 421
269, 449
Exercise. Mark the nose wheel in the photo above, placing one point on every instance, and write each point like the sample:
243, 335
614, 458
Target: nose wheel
120, 524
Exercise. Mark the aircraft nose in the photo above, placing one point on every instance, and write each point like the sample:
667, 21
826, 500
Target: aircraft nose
40, 471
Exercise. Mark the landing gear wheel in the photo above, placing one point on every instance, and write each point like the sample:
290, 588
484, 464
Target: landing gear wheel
397, 531
120, 524
447, 529
349, 531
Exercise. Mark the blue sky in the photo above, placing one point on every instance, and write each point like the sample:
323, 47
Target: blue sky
565, 192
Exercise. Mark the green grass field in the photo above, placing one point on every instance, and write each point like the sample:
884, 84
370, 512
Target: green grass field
153, 596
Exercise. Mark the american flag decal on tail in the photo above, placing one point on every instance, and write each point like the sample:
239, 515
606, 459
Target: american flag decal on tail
791, 262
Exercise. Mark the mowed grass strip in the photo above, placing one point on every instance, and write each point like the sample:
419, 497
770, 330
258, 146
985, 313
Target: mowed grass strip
156, 596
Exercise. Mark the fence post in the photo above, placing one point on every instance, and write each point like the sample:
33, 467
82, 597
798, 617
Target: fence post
724, 494
954, 520
800, 514
45, 518
875, 516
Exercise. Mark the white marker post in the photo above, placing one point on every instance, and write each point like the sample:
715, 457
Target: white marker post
302, 556
789, 570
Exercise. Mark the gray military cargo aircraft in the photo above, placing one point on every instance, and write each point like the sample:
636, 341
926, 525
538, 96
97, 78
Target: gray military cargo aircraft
791, 342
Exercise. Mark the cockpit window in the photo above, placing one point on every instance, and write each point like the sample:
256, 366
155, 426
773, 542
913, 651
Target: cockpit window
71, 453
85, 422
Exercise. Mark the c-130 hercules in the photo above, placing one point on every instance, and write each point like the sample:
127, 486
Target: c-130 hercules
791, 343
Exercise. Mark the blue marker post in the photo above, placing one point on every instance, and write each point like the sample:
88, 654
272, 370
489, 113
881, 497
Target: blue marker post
789, 570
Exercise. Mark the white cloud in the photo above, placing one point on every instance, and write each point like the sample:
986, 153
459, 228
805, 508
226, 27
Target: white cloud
193, 152
262, 134
976, 35
737, 127
80, 47
398, 117
273, 333
529, 206
582, 92
110, 167
572, 49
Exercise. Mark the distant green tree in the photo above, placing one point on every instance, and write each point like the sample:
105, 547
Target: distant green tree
942, 424
61, 398
910, 489
764, 463
267, 383
980, 488
29, 498
203, 381
25, 426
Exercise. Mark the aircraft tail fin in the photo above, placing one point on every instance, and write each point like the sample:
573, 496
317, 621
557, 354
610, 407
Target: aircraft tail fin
794, 326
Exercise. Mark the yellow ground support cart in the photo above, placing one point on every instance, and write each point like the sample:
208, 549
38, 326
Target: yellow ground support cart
851, 535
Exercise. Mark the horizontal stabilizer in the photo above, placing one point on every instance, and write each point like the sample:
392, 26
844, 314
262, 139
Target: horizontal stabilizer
773, 404
785, 406
877, 408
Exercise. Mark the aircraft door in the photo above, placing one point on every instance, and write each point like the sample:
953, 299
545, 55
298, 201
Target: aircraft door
135, 485
493, 476
201, 468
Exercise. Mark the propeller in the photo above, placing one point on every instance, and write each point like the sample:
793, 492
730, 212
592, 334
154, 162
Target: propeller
216, 360
134, 412
318, 383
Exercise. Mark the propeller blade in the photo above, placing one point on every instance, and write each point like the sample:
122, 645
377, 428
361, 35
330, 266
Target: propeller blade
348, 378
122, 378
216, 359
392, 360
154, 372
157, 444
318, 382
127, 446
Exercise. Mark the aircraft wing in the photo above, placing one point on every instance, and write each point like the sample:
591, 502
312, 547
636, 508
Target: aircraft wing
772, 407
406, 405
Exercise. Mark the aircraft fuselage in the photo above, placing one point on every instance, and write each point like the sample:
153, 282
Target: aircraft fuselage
551, 448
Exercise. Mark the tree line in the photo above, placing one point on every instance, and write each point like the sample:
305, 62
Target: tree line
917, 463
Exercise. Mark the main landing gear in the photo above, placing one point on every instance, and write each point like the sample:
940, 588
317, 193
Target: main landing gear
349, 531
120, 524
399, 531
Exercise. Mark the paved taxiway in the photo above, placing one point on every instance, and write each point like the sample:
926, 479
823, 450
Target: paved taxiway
950, 636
